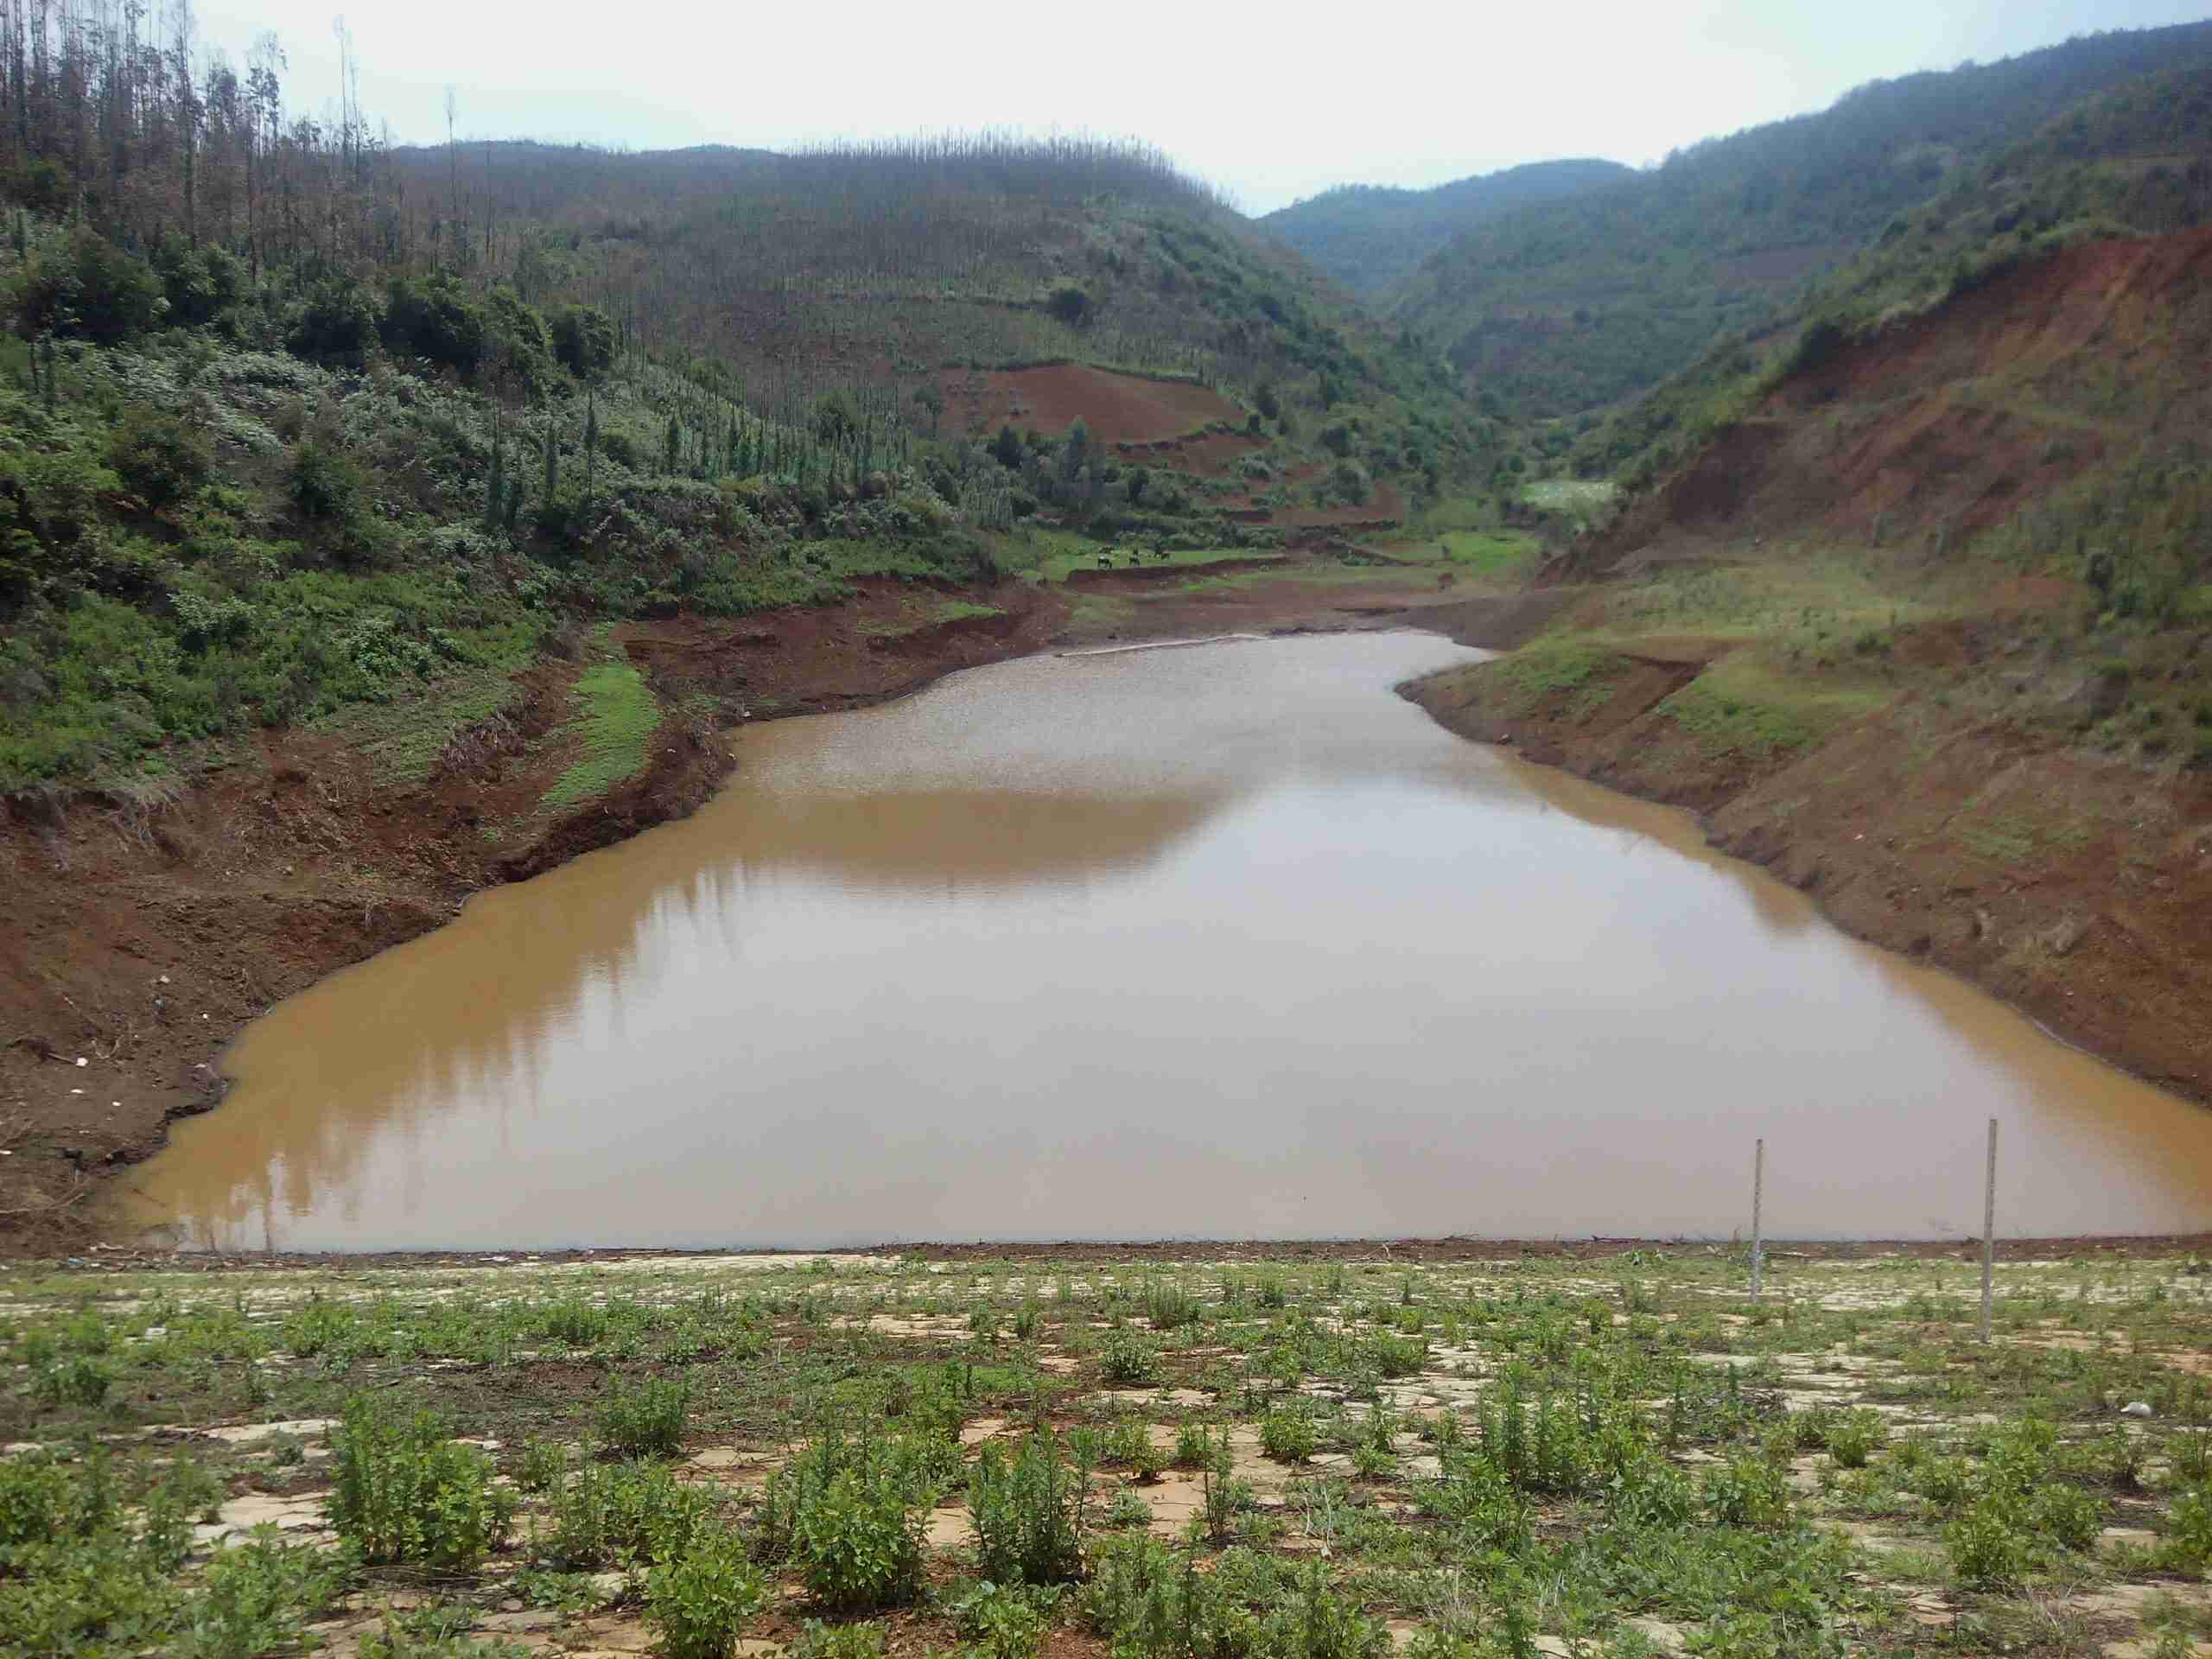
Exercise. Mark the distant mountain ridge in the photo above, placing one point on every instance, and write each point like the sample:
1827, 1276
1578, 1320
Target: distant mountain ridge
1372, 238
1571, 305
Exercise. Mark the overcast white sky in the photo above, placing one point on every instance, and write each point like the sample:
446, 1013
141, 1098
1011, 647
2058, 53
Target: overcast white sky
1272, 101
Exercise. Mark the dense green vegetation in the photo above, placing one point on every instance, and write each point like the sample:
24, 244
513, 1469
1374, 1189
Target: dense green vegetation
1568, 306
290, 420
1372, 238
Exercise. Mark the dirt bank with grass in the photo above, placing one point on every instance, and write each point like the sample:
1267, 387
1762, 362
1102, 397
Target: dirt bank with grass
143, 933
2070, 885
1923, 632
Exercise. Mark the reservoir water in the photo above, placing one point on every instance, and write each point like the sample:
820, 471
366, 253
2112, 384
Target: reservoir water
1218, 941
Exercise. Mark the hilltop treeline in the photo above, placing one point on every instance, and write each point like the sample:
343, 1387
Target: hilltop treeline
1373, 238
112, 115
891, 259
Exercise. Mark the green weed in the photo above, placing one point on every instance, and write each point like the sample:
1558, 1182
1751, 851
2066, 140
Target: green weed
403, 1491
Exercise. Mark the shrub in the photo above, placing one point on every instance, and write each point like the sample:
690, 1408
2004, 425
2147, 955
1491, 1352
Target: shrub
1169, 1303
1746, 1492
2188, 1546
42, 1500
1824, 338
1027, 1513
699, 1601
1127, 1445
1986, 1548
863, 1640
618, 1514
1287, 1435
1003, 1621
1348, 483
435, 322
325, 483
1130, 1358
159, 458
259, 1596
1319, 1624
1193, 1446
2069, 1515
203, 286
1069, 304
583, 339
1395, 1357
404, 1492
1852, 1436
86, 286
857, 1544
335, 322
847, 1514
646, 1418
74, 1380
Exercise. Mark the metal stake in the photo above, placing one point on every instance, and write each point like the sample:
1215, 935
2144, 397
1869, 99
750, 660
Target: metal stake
1759, 1238
1988, 1228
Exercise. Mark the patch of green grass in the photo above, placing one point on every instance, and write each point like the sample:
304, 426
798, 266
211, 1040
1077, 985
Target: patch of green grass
617, 718
2008, 840
936, 612
1487, 552
1063, 559
1743, 709
1546, 668
1584, 500
402, 739
1102, 612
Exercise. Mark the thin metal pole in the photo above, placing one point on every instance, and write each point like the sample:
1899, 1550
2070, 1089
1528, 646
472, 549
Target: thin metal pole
1759, 1238
1988, 1228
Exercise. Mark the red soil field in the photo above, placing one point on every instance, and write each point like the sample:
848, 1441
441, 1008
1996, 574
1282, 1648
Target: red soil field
1116, 408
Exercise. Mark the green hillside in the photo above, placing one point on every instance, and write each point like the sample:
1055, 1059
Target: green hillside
1573, 305
291, 422
2132, 161
1373, 238
884, 263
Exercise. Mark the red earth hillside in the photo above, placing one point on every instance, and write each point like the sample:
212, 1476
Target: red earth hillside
1950, 421
1116, 408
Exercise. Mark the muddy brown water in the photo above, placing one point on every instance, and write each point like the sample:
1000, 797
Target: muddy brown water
1225, 941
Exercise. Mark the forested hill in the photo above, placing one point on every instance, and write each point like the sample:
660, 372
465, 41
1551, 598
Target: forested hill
1372, 238
1571, 305
2132, 162
886, 262
292, 420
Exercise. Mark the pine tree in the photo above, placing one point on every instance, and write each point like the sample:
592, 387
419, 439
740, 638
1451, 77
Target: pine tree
552, 462
673, 449
591, 446
495, 487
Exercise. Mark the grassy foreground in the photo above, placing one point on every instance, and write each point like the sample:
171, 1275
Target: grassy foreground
1283, 1460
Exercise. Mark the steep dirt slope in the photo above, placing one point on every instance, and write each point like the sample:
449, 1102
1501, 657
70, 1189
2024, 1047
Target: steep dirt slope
1926, 632
1959, 420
